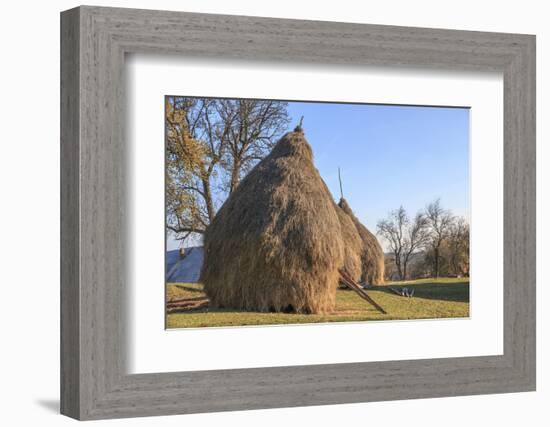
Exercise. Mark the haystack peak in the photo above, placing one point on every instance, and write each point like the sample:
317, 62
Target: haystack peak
293, 144
299, 127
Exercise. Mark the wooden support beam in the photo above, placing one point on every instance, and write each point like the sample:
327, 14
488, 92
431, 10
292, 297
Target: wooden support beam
350, 283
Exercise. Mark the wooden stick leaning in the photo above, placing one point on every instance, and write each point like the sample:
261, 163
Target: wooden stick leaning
350, 283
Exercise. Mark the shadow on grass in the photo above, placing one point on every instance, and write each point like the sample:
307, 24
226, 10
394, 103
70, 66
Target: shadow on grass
456, 292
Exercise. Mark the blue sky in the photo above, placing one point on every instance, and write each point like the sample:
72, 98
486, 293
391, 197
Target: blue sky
389, 155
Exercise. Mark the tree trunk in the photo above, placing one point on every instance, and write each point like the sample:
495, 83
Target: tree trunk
235, 173
208, 199
436, 261
398, 265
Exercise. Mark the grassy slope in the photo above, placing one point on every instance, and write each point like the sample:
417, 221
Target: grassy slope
433, 298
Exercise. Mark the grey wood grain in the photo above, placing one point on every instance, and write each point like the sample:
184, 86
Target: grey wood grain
94, 381
70, 333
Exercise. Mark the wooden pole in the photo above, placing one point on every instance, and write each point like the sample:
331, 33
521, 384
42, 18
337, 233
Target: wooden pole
340, 180
346, 279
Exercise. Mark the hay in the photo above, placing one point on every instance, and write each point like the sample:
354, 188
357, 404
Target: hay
372, 256
276, 243
353, 245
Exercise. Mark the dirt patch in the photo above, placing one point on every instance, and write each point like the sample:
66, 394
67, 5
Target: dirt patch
187, 305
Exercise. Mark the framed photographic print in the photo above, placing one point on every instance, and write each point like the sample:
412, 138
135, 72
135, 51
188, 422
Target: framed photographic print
262, 213
254, 181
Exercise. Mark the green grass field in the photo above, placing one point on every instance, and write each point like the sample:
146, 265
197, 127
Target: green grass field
433, 298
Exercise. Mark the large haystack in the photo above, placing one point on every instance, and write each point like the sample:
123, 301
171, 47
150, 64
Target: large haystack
372, 256
276, 244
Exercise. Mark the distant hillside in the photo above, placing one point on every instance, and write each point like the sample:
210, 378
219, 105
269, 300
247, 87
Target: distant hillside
184, 269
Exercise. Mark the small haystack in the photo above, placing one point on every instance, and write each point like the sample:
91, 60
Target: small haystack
372, 256
276, 243
353, 245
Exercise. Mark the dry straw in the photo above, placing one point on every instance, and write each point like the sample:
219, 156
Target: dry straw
372, 256
353, 245
279, 241
276, 243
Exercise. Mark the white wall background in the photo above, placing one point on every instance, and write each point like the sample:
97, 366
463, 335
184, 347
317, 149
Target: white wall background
29, 214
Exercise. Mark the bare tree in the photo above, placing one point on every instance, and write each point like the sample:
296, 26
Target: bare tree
391, 229
210, 145
193, 154
439, 222
418, 237
459, 247
251, 127
404, 237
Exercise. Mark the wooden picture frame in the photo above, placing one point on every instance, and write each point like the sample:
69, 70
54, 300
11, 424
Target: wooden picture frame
94, 382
